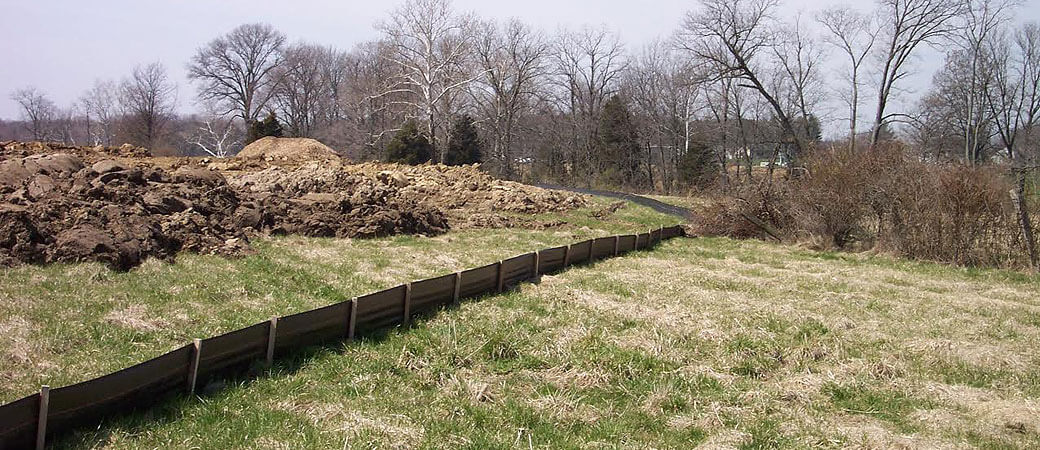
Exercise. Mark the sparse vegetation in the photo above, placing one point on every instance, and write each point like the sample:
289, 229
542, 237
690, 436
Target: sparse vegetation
409, 146
886, 199
71, 322
730, 343
861, 282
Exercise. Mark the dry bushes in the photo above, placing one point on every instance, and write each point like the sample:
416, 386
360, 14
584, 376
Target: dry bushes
886, 199
747, 211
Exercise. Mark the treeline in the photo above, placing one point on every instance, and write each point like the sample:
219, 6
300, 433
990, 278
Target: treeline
735, 87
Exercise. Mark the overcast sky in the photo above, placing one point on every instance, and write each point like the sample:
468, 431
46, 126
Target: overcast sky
61, 46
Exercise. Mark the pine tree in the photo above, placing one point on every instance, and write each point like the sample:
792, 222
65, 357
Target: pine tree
697, 166
270, 126
464, 145
409, 146
618, 148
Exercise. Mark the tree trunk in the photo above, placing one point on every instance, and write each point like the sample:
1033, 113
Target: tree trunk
1018, 195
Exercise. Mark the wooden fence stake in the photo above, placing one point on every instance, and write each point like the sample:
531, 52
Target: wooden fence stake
501, 277
537, 263
352, 323
458, 287
271, 330
566, 256
617, 241
592, 245
407, 302
193, 370
41, 424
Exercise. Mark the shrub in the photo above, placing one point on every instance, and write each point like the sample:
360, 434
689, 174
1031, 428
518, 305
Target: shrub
409, 146
886, 199
464, 145
270, 126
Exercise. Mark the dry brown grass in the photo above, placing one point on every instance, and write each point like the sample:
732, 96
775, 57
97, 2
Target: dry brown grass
708, 343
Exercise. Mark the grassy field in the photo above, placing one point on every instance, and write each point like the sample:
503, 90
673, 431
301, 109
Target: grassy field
65, 323
720, 343
691, 203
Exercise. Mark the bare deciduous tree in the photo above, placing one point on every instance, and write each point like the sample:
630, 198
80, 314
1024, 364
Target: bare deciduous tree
854, 34
589, 65
512, 58
664, 91
38, 111
1013, 99
237, 69
147, 100
429, 43
982, 19
100, 104
905, 26
733, 35
301, 89
799, 58
216, 136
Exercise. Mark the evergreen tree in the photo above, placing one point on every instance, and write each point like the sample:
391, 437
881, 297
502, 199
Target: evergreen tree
697, 166
409, 146
270, 126
618, 148
464, 145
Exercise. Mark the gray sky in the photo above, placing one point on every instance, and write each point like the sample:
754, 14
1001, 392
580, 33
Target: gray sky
61, 46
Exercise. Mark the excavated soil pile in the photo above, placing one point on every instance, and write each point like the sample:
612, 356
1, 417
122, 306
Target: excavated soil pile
283, 152
469, 197
14, 149
56, 207
321, 199
119, 206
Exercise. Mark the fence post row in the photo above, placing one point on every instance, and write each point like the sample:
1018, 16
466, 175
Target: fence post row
193, 370
500, 277
352, 323
458, 287
272, 330
407, 303
41, 422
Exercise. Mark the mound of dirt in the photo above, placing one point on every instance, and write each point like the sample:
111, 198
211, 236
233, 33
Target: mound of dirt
13, 149
56, 208
59, 208
468, 196
286, 151
107, 204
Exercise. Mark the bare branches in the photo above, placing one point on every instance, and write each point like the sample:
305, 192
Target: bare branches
512, 60
217, 137
37, 111
100, 104
905, 26
237, 69
854, 34
732, 35
147, 101
429, 42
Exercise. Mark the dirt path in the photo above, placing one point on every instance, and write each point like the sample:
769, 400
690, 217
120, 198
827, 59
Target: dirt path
658, 206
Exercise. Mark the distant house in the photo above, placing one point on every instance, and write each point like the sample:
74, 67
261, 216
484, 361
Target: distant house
781, 161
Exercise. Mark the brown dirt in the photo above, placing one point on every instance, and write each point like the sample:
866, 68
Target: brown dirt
55, 208
110, 205
13, 149
284, 152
